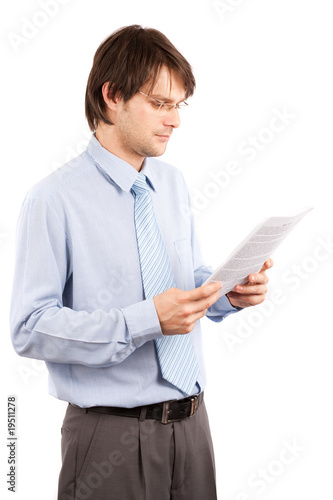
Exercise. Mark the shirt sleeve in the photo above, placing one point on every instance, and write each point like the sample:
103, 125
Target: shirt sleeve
41, 326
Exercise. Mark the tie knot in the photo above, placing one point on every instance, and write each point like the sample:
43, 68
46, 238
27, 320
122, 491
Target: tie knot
140, 185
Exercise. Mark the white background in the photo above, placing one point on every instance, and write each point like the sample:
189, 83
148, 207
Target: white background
271, 383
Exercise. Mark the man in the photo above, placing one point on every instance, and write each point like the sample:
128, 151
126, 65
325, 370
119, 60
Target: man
108, 288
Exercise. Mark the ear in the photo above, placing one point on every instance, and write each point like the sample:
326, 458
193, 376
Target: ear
112, 104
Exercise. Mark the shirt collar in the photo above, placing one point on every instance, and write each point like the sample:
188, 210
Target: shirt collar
121, 172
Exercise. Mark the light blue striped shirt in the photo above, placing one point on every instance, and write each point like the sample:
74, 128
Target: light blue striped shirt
77, 299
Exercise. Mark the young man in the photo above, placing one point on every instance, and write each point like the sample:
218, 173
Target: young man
108, 288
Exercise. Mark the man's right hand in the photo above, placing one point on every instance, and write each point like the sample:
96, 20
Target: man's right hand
178, 311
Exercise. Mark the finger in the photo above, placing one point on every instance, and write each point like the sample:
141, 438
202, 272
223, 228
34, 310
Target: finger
190, 322
267, 265
197, 306
261, 277
200, 305
251, 289
246, 300
258, 278
202, 291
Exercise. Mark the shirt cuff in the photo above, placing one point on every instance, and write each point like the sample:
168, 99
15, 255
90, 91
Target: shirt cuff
142, 322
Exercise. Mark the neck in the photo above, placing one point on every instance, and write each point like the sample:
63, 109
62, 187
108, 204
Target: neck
108, 139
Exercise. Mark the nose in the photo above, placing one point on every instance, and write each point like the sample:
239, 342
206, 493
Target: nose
172, 119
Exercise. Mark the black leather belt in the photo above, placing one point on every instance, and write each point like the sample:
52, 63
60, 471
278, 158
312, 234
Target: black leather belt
169, 411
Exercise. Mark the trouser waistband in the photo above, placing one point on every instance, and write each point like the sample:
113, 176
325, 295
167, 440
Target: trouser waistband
167, 411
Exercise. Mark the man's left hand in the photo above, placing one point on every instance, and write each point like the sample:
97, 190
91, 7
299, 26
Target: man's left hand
254, 291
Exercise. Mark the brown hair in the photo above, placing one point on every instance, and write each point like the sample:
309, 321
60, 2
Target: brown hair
127, 59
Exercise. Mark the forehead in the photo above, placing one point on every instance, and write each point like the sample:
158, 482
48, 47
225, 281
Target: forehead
168, 84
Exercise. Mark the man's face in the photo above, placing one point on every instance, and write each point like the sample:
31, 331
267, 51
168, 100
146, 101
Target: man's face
143, 131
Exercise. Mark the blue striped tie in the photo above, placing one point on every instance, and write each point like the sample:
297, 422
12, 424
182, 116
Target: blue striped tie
175, 352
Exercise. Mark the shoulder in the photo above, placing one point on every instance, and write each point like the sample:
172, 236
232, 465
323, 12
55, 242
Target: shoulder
61, 179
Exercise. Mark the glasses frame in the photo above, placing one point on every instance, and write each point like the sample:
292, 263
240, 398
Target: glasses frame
164, 105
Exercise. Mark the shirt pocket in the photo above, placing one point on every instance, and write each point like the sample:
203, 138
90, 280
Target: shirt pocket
183, 249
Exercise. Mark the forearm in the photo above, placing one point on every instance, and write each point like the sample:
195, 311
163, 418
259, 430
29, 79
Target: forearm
62, 335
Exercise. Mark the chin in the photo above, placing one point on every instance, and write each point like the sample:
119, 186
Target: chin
154, 153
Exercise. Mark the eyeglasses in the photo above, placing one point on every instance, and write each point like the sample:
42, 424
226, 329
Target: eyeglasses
162, 107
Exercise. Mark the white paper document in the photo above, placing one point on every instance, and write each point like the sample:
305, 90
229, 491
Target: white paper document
250, 255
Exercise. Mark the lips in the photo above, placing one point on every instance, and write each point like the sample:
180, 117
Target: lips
164, 137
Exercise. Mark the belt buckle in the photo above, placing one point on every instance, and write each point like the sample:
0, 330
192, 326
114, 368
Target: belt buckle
165, 414
166, 409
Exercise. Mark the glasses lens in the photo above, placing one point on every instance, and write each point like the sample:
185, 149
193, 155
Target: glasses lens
167, 108
162, 108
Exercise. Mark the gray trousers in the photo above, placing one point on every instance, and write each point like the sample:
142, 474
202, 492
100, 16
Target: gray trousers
108, 457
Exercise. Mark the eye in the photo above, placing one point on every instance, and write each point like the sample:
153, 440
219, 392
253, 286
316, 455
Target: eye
157, 104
